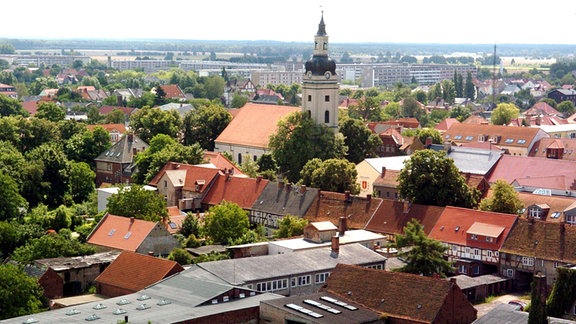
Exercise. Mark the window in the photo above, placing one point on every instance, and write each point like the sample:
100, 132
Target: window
457, 137
469, 138
521, 141
321, 277
473, 237
509, 140
528, 261
510, 273
462, 268
254, 158
571, 219
476, 269
165, 183
489, 239
304, 280
556, 264
239, 158
327, 98
309, 97
447, 136
272, 285
555, 215
327, 116
109, 166
481, 138
376, 267
489, 253
535, 212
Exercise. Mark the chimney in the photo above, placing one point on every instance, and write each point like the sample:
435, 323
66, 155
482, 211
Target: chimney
131, 220
258, 178
303, 189
428, 142
383, 172
369, 197
452, 280
280, 184
405, 207
151, 253
335, 246
134, 151
342, 225
130, 138
541, 288
347, 195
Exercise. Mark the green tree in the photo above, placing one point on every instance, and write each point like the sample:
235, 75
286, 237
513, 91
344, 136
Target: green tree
51, 246
87, 145
135, 201
54, 171
238, 101
203, 125
226, 222
50, 111
81, 181
164, 149
148, 122
10, 106
290, 226
14, 234
359, 136
190, 225
504, 199
116, 116
458, 84
566, 107
550, 102
337, 175
368, 108
411, 108
298, 140
432, 133
20, 294
563, 292
181, 256
469, 88
460, 112
431, 178
60, 218
504, 113
423, 256
12, 204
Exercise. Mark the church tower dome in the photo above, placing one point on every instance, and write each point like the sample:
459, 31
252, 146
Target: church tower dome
320, 83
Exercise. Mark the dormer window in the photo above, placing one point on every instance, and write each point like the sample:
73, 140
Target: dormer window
535, 212
474, 237
481, 138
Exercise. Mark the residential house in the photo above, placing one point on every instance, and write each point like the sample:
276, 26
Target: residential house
184, 185
173, 222
303, 272
128, 111
278, 199
267, 96
476, 119
533, 174
330, 206
171, 91
181, 108
393, 143
116, 164
444, 125
386, 185
401, 297
90, 93
392, 216
541, 108
219, 161
536, 246
516, 140
244, 192
8, 90
317, 308
560, 131
560, 95
249, 131
555, 148
372, 168
125, 95
130, 234
76, 274
545, 207
116, 131
132, 272
404, 122
184, 297
473, 238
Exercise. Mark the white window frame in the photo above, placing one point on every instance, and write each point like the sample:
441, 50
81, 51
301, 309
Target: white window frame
510, 273
528, 261
321, 277
462, 268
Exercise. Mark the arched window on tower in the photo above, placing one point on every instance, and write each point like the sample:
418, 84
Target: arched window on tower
327, 116
239, 158
309, 113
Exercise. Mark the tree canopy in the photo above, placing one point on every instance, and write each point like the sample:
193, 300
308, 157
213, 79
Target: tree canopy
203, 125
337, 175
51, 246
360, 137
226, 222
148, 122
135, 201
431, 178
504, 113
423, 255
20, 294
504, 199
298, 140
290, 226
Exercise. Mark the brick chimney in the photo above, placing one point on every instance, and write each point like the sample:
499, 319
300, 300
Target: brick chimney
280, 184
383, 172
258, 178
342, 225
405, 207
347, 195
335, 246
303, 189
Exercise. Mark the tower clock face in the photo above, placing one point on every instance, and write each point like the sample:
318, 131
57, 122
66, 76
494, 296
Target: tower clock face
327, 75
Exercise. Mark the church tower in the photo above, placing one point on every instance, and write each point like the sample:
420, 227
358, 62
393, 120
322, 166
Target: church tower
320, 83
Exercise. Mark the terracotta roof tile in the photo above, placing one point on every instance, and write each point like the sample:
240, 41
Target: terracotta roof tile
454, 223
241, 191
221, 162
134, 271
119, 232
120, 128
568, 144
329, 206
172, 91
519, 136
242, 130
392, 216
414, 298
186, 175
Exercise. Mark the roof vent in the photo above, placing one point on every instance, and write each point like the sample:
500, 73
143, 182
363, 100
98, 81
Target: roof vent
457, 229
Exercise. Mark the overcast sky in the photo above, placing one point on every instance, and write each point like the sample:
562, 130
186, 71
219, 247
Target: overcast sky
381, 21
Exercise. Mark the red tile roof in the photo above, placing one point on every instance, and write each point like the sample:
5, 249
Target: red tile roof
242, 130
392, 216
475, 119
188, 175
568, 144
221, 162
120, 128
516, 134
134, 271
172, 91
241, 191
31, 107
455, 222
446, 124
329, 206
407, 122
510, 168
119, 232
411, 298
541, 108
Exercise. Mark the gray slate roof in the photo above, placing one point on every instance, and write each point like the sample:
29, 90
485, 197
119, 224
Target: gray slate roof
122, 151
286, 199
471, 160
245, 270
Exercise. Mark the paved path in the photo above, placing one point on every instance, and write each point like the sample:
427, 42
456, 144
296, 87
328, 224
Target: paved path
504, 299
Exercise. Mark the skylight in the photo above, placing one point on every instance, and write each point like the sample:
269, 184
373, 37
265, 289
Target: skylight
123, 301
73, 311
164, 302
469, 138
521, 141
509, 140
322, 306
99, 306
92, 317
119, 311
112, 231
127, 236
457, 137
142, 306
304, 310
143, 297
339, 303
555, 215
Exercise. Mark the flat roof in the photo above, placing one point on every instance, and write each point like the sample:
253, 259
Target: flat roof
351, 236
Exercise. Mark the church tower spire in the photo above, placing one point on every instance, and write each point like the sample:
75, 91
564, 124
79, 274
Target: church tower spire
320, 83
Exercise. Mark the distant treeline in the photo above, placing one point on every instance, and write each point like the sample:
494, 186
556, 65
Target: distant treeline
288, 49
